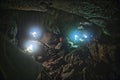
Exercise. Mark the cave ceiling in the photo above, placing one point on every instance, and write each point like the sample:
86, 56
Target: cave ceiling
96, 11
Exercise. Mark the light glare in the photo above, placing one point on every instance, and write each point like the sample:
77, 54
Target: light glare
30, 48
76, 36
34, 34
85, 36
81, 40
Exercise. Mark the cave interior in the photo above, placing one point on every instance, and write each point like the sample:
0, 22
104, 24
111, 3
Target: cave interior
59, 40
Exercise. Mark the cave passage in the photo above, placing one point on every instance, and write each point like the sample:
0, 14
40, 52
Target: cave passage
53, 43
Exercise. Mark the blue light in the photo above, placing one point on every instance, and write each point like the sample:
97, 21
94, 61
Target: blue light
85, 36
76, 37
81, 39
35, 32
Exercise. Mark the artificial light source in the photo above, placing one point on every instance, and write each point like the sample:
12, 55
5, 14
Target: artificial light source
34, 34
85, 36
76, 37
30, 48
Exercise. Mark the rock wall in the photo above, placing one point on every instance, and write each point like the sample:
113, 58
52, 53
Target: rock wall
96, 60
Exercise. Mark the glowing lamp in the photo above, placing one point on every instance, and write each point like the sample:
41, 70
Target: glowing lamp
76, 37
34, 34
85, 36
30, 48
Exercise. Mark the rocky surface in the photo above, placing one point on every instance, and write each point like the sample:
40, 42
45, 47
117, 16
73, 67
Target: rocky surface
98, 12
95, 60
91, 62
16, 65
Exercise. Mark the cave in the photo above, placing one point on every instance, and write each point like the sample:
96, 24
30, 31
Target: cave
59, 40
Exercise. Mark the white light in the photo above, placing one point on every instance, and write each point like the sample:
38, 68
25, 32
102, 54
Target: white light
76, 36
85, 36
34, 34
30, 48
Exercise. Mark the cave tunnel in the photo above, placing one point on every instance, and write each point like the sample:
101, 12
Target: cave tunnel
59, 40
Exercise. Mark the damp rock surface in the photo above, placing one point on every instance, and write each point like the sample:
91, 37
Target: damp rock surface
95, 60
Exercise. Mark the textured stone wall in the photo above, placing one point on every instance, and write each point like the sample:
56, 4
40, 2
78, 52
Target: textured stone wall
96, 60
